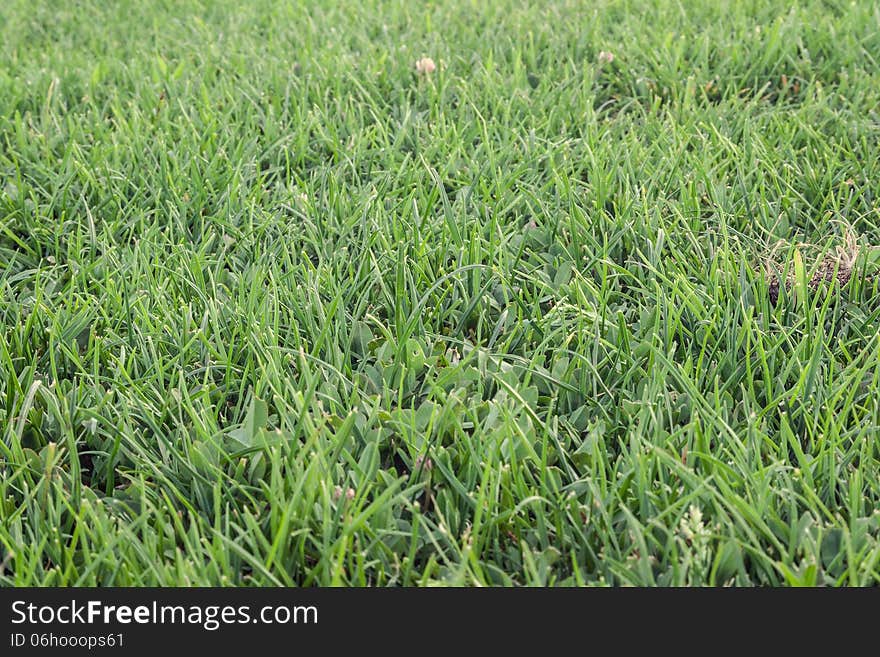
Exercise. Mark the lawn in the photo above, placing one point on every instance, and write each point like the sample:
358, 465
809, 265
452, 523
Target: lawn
593, 302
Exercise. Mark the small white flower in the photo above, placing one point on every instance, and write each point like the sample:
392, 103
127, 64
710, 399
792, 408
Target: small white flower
425, 66
606, 57
338, 493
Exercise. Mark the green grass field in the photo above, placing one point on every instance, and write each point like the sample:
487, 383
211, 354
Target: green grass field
276, 308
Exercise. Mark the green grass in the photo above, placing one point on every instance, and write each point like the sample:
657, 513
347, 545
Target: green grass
277, 310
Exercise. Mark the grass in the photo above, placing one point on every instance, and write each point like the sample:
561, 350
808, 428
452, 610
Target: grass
276, 309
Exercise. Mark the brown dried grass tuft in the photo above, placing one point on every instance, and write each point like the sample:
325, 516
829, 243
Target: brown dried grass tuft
837, 266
